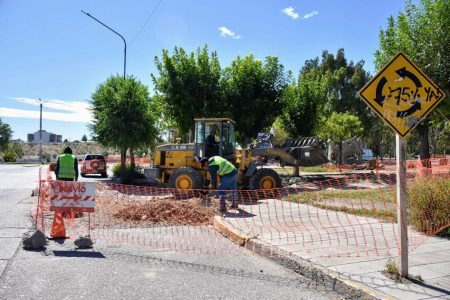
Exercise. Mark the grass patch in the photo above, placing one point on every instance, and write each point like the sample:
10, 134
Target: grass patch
318, 199
391, 270
366, 194
315, 199
315, 169
380, 195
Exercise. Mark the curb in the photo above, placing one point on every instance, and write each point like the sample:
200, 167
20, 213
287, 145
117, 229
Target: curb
315, 272
233, 234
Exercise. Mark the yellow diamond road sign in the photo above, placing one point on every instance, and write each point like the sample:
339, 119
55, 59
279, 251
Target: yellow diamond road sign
401, 94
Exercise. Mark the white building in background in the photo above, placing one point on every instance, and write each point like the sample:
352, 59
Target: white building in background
47, 137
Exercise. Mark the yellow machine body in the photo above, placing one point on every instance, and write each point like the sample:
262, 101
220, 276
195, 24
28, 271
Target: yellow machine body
178, 164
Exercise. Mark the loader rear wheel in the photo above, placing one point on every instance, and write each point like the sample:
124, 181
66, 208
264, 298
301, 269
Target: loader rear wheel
265, 179
186, 178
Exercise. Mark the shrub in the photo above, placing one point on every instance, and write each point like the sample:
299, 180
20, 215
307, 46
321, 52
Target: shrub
429, 204
130, 172
9, 156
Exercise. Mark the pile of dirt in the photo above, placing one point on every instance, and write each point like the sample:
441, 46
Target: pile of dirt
189, 212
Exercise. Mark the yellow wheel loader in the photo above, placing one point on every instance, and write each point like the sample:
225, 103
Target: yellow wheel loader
178, 164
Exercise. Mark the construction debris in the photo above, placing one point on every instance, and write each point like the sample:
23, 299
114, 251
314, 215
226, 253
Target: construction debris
188, 212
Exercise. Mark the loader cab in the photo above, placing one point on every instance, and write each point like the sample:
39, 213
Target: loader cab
215, 137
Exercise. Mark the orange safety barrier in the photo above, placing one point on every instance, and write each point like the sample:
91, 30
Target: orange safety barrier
58, 229
350, 215
111, 159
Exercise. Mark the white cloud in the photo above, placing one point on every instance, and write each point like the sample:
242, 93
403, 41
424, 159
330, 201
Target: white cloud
74, 111
225, 32
289, 11
311, 14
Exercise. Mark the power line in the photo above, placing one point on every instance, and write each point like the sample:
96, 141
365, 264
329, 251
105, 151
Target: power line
145, 23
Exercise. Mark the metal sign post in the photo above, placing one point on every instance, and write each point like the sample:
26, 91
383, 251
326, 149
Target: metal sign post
402, 203
402, 96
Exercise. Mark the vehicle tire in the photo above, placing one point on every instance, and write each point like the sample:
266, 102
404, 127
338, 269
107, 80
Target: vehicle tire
265, 179
186, 178
83, 175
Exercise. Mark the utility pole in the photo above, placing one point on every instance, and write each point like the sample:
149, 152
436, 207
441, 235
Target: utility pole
40, 131
125, 50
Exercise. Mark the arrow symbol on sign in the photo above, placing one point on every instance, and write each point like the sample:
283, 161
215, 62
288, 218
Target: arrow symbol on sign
74, 197
405, 73
380, 98
416, 106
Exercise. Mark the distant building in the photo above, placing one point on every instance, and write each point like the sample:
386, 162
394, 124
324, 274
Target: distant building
47, 137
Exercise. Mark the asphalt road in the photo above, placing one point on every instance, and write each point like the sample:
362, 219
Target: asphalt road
123, 271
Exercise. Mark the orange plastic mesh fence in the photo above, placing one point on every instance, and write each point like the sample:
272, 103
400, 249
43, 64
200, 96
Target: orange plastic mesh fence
350, 215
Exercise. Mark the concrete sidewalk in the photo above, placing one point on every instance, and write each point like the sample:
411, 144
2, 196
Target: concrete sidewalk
350, 249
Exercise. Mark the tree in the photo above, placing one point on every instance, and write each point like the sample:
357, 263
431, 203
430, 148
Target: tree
302, 101
5, 135
84, 138
422, 32
252, 93
188, 86
339, 127
123, 116
326, 85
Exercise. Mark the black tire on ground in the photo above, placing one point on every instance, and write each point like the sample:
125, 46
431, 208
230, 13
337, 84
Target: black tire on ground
186, 178
264, 179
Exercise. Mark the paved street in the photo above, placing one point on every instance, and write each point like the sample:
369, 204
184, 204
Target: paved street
125, 272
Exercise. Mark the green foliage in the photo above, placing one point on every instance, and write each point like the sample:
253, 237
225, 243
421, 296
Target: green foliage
188, 86
325, 86
303, 100
123, 115
84, 138
252, 93
194, 85
429, 204
130, 172
16, 149
12, 152
339, 127
9, 156
421, 31
279, 135
5, 135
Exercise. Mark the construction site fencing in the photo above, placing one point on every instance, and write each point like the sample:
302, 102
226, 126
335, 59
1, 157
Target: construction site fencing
112, 159
347, 216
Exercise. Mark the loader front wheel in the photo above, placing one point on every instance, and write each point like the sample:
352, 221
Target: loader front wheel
265, 179
186, 178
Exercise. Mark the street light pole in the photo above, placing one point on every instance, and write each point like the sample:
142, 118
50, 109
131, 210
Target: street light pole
125, 50
40, 131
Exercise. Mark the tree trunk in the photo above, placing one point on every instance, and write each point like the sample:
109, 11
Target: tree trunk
132, 157
424, 146
123, 156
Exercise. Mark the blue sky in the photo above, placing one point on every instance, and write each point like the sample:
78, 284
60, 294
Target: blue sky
50, 50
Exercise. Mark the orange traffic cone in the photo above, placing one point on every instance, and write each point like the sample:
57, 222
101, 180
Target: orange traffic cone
58, 230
